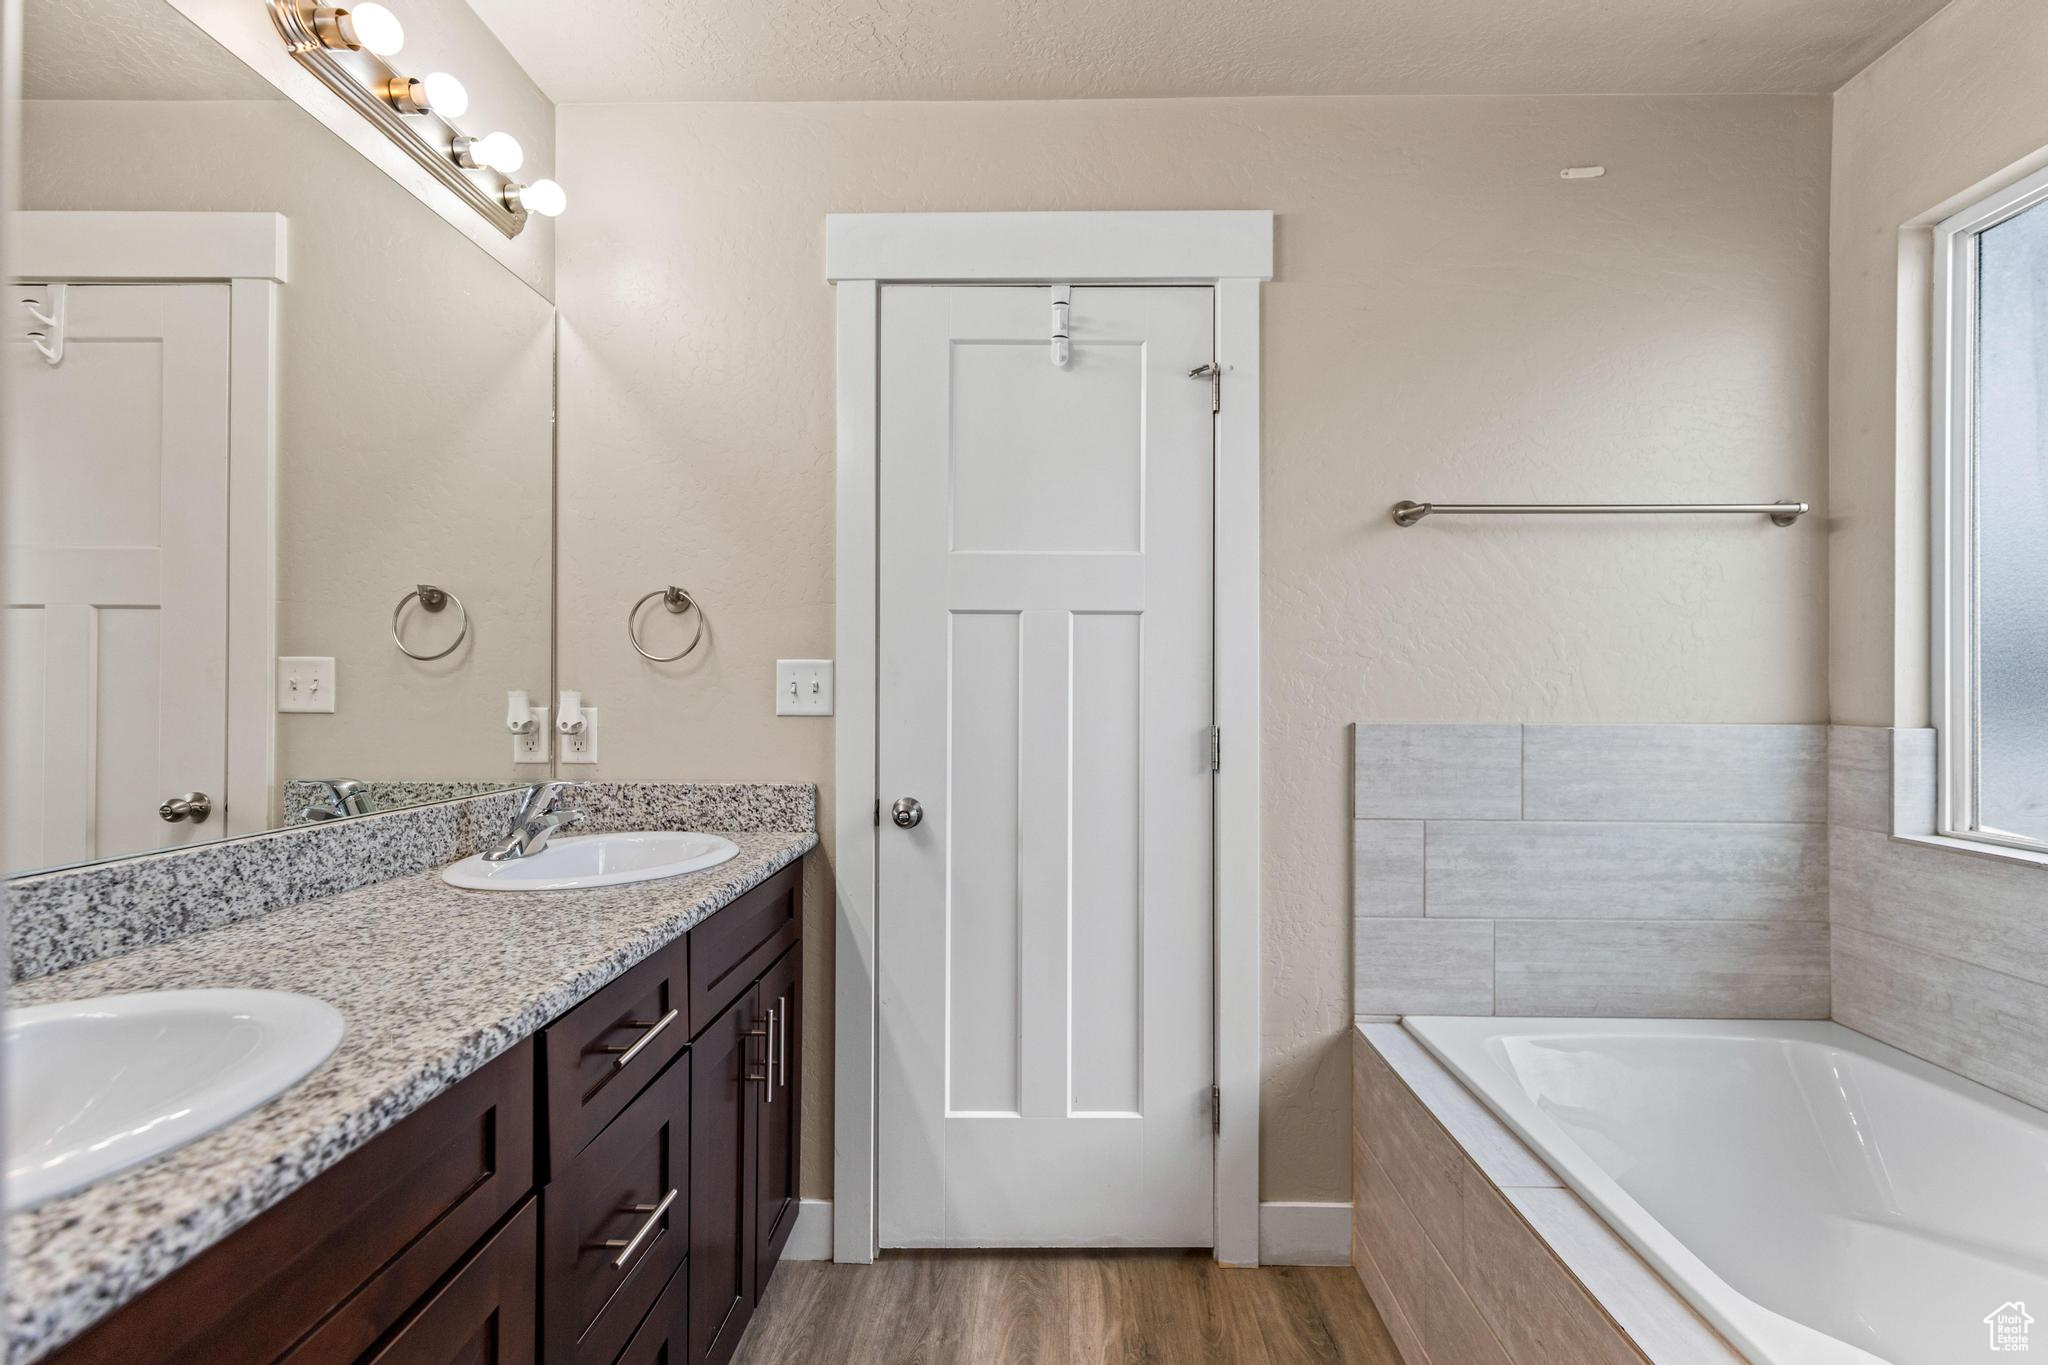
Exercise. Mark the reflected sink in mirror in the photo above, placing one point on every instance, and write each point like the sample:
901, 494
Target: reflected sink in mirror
570, 862
96, 1086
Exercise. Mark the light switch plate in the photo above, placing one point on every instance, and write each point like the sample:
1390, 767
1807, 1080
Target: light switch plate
581, 747
532, 747
305, 683
803, 687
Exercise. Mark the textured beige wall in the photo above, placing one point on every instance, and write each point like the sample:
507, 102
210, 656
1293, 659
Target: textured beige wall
1915, 136
1449, 320
415, 443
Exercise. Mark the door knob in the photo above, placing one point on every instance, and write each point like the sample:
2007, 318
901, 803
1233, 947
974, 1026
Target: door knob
193, 806
906, 813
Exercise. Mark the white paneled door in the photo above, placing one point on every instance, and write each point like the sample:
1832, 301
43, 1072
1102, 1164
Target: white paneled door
1046, 662
115, 641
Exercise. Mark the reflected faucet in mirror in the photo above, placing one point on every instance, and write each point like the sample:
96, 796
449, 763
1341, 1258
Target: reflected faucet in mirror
339, 798
541, 815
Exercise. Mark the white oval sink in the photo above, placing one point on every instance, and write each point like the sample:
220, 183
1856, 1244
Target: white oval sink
582, 860
97, 1086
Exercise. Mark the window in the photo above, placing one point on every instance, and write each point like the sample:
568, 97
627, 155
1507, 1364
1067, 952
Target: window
1991, 443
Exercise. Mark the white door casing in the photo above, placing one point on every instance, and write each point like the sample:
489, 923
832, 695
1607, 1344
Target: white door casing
117, 573
1046, 650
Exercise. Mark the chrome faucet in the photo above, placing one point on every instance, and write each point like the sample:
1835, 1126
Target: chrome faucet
341, 797
541, 816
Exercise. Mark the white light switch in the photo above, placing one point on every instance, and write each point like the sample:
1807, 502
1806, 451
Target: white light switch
305, 684
803, 687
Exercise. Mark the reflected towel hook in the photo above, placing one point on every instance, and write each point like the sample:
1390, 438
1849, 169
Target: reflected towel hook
677, 601
432, 599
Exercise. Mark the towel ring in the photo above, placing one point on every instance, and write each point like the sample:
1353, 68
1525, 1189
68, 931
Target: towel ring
677, 601
432, 599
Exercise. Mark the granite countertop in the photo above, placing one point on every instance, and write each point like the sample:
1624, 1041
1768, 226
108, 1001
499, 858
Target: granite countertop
433, 983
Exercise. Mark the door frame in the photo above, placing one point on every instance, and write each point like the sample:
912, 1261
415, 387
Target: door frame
1231, 251
246, 252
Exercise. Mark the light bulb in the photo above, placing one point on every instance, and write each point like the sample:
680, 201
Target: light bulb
543, 197
499, 151
445, 95
376, 29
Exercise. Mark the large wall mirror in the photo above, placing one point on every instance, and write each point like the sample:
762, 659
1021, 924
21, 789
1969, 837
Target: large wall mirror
407, 378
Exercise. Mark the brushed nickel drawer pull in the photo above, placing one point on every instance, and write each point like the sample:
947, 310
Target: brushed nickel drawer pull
627, 1054
781, 1008
632, 1244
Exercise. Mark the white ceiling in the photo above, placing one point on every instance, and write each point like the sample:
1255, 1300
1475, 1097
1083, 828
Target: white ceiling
127, 50
635, 50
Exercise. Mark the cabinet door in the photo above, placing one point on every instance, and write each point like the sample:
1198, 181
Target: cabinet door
727, 1072
779, 1103
484, 1315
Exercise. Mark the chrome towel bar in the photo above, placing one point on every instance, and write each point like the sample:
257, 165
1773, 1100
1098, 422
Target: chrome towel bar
1780, 513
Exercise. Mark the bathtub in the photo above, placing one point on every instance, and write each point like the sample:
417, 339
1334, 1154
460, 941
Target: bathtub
1819, 1197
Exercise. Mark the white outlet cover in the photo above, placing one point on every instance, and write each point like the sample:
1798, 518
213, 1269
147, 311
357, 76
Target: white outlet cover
305, 683
803, 687
581, 747
533, 748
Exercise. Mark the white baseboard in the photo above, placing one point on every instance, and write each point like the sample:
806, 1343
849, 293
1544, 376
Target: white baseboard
1289, 1233
811, 1238
1301, 1234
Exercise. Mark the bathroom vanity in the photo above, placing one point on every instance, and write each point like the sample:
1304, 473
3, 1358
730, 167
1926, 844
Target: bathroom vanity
561, 1127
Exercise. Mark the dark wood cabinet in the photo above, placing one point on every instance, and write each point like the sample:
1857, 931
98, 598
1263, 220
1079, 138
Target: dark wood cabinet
728, 1065
616, 1191
779, 1102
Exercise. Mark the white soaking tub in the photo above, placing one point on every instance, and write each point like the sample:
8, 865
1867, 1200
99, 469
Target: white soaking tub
1819, 1197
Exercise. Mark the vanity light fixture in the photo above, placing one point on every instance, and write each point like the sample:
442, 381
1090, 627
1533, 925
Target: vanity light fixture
500, 152
367, 28
345, 49
543, 197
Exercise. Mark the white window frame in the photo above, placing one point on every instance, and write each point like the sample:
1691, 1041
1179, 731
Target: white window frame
1952, 441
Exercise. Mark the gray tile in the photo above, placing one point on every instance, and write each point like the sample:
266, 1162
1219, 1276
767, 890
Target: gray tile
1422, 966
1860, 777
1586, 870
1698, 969
1914, 782
1982, 910
1675, 772
1386, 867
1981, 1024
1448, 772
1493, 1148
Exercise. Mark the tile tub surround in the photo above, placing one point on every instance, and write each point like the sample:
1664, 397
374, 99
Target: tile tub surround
1591, 870
432, 982
61, 919
1940, 952
1474, 1250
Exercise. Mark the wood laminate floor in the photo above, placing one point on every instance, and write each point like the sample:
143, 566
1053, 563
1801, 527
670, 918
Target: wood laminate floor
1063, 1308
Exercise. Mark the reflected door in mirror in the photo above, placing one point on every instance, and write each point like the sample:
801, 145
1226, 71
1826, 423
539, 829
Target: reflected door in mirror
116, 627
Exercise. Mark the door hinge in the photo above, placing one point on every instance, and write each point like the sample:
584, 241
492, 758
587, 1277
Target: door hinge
1215, 1108
1214, 374
1215, 748
878, 812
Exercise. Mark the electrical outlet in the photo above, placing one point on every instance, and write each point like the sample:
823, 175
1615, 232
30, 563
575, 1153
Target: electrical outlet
803, 687
532, 747
581, 747
305, 684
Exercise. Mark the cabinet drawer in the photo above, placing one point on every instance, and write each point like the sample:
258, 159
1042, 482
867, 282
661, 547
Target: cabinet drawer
616, 1224
598, 1056
664, 1338
733, 947
403, 1208
483, 1315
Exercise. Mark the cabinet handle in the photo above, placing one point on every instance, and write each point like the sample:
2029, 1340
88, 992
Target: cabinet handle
766, 1033
627, 1054
781, 1008
769, 1055
632, 1244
